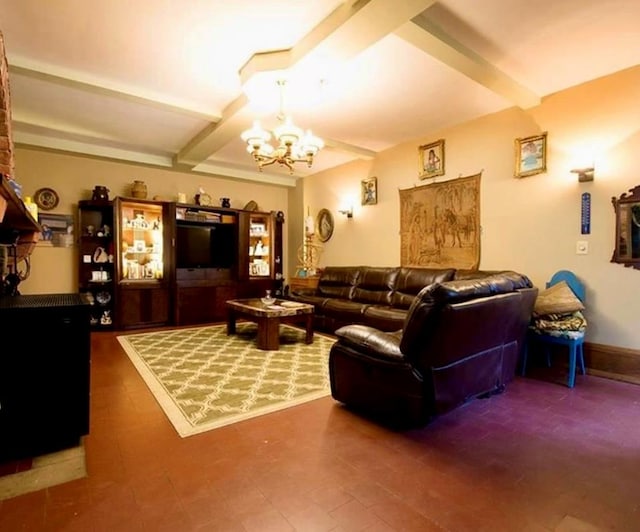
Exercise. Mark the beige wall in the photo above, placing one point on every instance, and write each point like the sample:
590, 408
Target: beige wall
530, 225
54, 270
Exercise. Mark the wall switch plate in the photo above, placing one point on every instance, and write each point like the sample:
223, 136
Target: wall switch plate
582, 247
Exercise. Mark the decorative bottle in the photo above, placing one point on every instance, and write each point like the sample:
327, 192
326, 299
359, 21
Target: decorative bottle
31, 207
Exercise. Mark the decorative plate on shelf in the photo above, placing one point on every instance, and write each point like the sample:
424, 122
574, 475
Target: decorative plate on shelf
46, 198
324, 221
203, 199
251, 206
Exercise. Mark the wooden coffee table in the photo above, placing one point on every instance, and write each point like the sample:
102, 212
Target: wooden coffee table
269, 318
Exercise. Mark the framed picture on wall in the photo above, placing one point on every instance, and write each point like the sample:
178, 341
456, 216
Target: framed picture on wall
369, 189
324, 223
531, 155
57, 230
431, 158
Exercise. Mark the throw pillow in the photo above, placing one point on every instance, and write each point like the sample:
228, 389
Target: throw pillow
557, 299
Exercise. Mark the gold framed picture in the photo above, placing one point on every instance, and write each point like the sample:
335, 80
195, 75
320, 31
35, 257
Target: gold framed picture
324, 223
369, 188
531, 155
431, 158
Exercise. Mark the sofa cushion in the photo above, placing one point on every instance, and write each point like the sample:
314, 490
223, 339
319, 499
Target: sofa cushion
557, 299
375, 285
385, 318
344, 309
410, 281
338, 281
371, 341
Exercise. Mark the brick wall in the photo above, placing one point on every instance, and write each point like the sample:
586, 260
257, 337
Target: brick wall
6, 141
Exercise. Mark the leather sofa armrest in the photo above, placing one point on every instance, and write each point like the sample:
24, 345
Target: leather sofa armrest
372, 342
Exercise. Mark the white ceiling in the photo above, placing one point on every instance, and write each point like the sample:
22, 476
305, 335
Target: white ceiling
161, 82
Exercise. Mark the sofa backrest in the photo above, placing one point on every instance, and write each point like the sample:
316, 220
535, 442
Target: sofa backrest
437, 302
410, 281
375, 285
338, 281
459, 335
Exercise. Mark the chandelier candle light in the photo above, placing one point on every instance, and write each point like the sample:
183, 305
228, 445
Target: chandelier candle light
294, 145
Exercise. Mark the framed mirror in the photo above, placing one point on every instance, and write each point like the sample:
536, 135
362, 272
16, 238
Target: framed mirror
627, 209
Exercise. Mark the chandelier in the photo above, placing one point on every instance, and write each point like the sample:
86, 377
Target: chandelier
294, 145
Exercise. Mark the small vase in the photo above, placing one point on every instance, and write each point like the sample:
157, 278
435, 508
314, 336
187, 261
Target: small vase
139, 190
100, 193
225, 202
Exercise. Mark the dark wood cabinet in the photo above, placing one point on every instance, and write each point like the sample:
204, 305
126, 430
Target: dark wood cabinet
143, 305
96, 260
202, 302
243, 259
44, 374
146, 263
205, 256
260, 253
143, 262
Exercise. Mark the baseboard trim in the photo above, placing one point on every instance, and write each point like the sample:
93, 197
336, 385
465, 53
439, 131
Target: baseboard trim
612, 362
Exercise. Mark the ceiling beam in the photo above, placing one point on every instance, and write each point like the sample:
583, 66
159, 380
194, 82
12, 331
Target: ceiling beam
347, 31
430, 38
66, 79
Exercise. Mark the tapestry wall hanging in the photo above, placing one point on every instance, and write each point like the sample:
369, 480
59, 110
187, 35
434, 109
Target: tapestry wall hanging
440, 224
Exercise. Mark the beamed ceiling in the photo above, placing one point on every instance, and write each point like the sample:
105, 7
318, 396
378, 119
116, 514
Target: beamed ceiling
174, 83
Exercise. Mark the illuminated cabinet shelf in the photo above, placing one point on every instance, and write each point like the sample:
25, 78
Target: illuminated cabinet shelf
144, 234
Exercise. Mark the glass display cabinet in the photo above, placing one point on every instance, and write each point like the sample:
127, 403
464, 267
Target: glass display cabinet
143, 241
260, 260
260, 245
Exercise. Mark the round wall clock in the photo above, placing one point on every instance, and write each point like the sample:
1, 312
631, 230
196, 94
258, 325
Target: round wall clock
203, 199
46, 198
324, 222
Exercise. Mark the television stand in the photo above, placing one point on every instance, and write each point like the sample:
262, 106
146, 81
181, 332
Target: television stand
202, 293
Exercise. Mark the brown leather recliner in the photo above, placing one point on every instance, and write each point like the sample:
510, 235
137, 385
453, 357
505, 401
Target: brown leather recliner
461, 339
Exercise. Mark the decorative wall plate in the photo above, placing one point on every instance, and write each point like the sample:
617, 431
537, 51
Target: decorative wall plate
46, 198
324, 221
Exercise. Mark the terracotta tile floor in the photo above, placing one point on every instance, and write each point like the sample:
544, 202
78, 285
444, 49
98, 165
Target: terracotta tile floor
538, 457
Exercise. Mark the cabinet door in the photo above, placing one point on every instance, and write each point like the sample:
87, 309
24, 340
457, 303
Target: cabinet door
261, 240
202, 303
143, 240
143, 306
196, 304
143, 248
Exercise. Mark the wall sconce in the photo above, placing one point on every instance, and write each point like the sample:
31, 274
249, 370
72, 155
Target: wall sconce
584, 174
348, 211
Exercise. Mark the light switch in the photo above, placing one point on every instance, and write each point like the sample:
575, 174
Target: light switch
582, 247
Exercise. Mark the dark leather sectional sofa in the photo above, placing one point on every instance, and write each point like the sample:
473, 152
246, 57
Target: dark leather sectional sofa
375, 296
413, 344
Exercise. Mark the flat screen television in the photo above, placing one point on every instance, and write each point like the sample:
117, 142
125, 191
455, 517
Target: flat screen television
206, 246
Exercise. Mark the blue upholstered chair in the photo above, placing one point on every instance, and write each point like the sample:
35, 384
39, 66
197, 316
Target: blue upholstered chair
572, 339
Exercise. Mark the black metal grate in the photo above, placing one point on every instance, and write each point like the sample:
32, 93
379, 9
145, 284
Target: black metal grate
42, 300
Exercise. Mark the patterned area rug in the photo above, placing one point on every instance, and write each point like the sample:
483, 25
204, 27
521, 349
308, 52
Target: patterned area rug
204, 379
